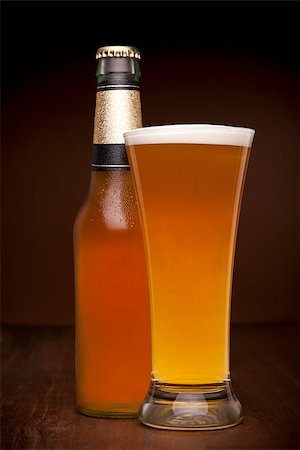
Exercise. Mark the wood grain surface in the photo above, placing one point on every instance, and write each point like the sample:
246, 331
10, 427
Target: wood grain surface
39, 412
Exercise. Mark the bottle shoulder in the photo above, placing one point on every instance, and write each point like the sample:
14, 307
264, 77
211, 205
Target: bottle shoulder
110, 203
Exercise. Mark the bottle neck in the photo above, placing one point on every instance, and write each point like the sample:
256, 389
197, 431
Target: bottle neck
118, 110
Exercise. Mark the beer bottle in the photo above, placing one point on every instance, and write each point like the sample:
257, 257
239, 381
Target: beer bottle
113, 362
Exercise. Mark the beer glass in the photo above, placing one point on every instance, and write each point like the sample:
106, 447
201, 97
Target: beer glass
189, 181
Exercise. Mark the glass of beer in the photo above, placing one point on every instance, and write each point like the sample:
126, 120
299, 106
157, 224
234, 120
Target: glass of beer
189, 181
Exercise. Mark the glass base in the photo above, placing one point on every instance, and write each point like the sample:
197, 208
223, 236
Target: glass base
191, 407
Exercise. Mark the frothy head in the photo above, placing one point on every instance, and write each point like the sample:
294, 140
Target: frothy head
191, 134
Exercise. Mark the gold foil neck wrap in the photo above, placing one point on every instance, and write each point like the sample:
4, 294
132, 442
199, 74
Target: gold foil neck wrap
118, 51
117, 111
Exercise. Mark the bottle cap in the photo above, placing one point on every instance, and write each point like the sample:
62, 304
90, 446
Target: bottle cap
118, 51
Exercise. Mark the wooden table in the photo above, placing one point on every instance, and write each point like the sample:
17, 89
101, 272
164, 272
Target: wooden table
39, 410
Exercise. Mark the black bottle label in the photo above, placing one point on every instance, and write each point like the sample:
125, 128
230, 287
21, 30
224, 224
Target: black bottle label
109, 157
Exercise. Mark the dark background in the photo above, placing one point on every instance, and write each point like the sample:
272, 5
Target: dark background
210, 62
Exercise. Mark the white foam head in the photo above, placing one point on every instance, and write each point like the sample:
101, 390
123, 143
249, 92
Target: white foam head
191, 134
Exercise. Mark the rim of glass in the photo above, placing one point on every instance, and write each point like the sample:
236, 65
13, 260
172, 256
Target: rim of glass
189, 126
191, 133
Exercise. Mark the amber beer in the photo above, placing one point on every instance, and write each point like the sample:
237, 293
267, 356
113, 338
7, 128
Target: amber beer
189, 181
113, 359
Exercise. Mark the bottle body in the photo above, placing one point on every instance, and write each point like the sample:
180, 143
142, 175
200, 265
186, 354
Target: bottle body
113, 359
112, 317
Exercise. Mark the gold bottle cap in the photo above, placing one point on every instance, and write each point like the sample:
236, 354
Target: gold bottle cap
118, 51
